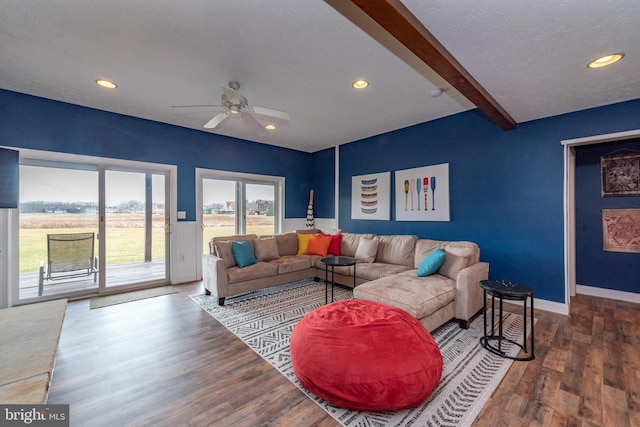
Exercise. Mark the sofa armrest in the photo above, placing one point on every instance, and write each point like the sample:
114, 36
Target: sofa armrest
469, 294
214, 275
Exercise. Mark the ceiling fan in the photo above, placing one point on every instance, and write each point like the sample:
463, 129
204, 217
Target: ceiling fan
236, 105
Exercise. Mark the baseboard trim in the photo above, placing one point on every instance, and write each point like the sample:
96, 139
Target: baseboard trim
608, 293
542, 304
552, 306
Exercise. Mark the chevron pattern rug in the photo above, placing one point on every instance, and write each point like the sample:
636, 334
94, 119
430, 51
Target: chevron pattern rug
264, 320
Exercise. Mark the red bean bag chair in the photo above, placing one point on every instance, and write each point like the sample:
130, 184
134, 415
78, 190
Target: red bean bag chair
366, 356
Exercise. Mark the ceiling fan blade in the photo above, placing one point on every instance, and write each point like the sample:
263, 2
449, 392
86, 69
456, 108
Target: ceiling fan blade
197, 105
283, 115
219, 118
232, 95
254, 125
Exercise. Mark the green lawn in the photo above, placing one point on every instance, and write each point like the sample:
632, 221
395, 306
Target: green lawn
125, 234
124, 245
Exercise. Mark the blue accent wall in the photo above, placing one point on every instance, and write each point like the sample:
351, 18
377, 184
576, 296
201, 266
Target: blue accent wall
506, 188
324, 167
42, 124
594, 266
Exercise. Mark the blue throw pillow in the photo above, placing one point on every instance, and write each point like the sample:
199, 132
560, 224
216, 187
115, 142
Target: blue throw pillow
243, 253
431, 263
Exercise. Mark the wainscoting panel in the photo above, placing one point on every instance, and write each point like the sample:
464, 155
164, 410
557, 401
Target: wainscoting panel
184, 253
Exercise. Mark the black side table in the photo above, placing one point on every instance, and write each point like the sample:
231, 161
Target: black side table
506, 290
333, 262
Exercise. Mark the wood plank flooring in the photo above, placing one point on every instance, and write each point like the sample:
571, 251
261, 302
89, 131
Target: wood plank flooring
165, 362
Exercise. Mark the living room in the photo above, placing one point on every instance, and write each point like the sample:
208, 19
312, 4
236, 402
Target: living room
507, 191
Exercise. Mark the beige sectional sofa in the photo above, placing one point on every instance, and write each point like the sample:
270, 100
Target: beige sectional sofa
386, 272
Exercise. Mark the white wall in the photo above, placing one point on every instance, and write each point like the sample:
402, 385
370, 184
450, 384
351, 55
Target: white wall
184, 245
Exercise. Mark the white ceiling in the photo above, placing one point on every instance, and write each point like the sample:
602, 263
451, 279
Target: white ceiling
302, 56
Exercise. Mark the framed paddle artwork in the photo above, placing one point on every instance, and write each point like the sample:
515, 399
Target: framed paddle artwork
422, 194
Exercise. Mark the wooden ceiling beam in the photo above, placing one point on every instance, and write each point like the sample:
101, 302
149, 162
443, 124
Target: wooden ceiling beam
396, 19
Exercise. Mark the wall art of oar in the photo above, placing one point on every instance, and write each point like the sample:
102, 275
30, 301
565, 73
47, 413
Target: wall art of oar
406, 194
418, 188
425, 182
433, 192
412, 188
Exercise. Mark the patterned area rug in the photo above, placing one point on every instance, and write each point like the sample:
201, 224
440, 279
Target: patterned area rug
264, 321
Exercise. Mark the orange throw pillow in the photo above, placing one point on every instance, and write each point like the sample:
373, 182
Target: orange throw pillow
318, 244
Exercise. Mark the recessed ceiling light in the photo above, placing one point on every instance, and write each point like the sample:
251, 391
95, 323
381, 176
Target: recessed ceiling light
106, 83
606, 60
270, 127
360, 84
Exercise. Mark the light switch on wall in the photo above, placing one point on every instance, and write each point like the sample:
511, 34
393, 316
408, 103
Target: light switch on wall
182, 214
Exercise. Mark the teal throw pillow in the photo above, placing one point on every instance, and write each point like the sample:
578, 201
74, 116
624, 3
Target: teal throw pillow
243, 253
431, 263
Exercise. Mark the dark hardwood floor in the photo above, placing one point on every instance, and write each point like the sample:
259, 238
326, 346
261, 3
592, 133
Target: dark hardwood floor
165, 362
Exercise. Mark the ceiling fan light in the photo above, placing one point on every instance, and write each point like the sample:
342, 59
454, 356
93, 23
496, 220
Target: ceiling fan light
270, 127
606, 60
360, 84
233, 109
106, 84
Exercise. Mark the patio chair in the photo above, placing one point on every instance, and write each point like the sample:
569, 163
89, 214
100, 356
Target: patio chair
68, 255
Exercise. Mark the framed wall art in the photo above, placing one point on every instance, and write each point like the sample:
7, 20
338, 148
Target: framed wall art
620, 175
621, 230
370, 196
422, 194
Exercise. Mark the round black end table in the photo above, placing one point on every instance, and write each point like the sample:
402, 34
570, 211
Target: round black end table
511, 291
333, 262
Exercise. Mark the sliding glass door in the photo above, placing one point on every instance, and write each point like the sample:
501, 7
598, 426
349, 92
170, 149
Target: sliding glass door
239, 204
136, 227
58, 231
86, 229
259, 208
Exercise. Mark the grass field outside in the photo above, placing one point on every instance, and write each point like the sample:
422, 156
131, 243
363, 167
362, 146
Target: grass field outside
124, 236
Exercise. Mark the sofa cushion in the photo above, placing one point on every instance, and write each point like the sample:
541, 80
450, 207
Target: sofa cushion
254, 271
396, 249
431, 263
460, 248
266, 249
455, 260
331, 231
418, 296
349, 243
287, 244
367, 250
223, 250
376, 270
318, 244
309, 231
288, 263
243, 253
